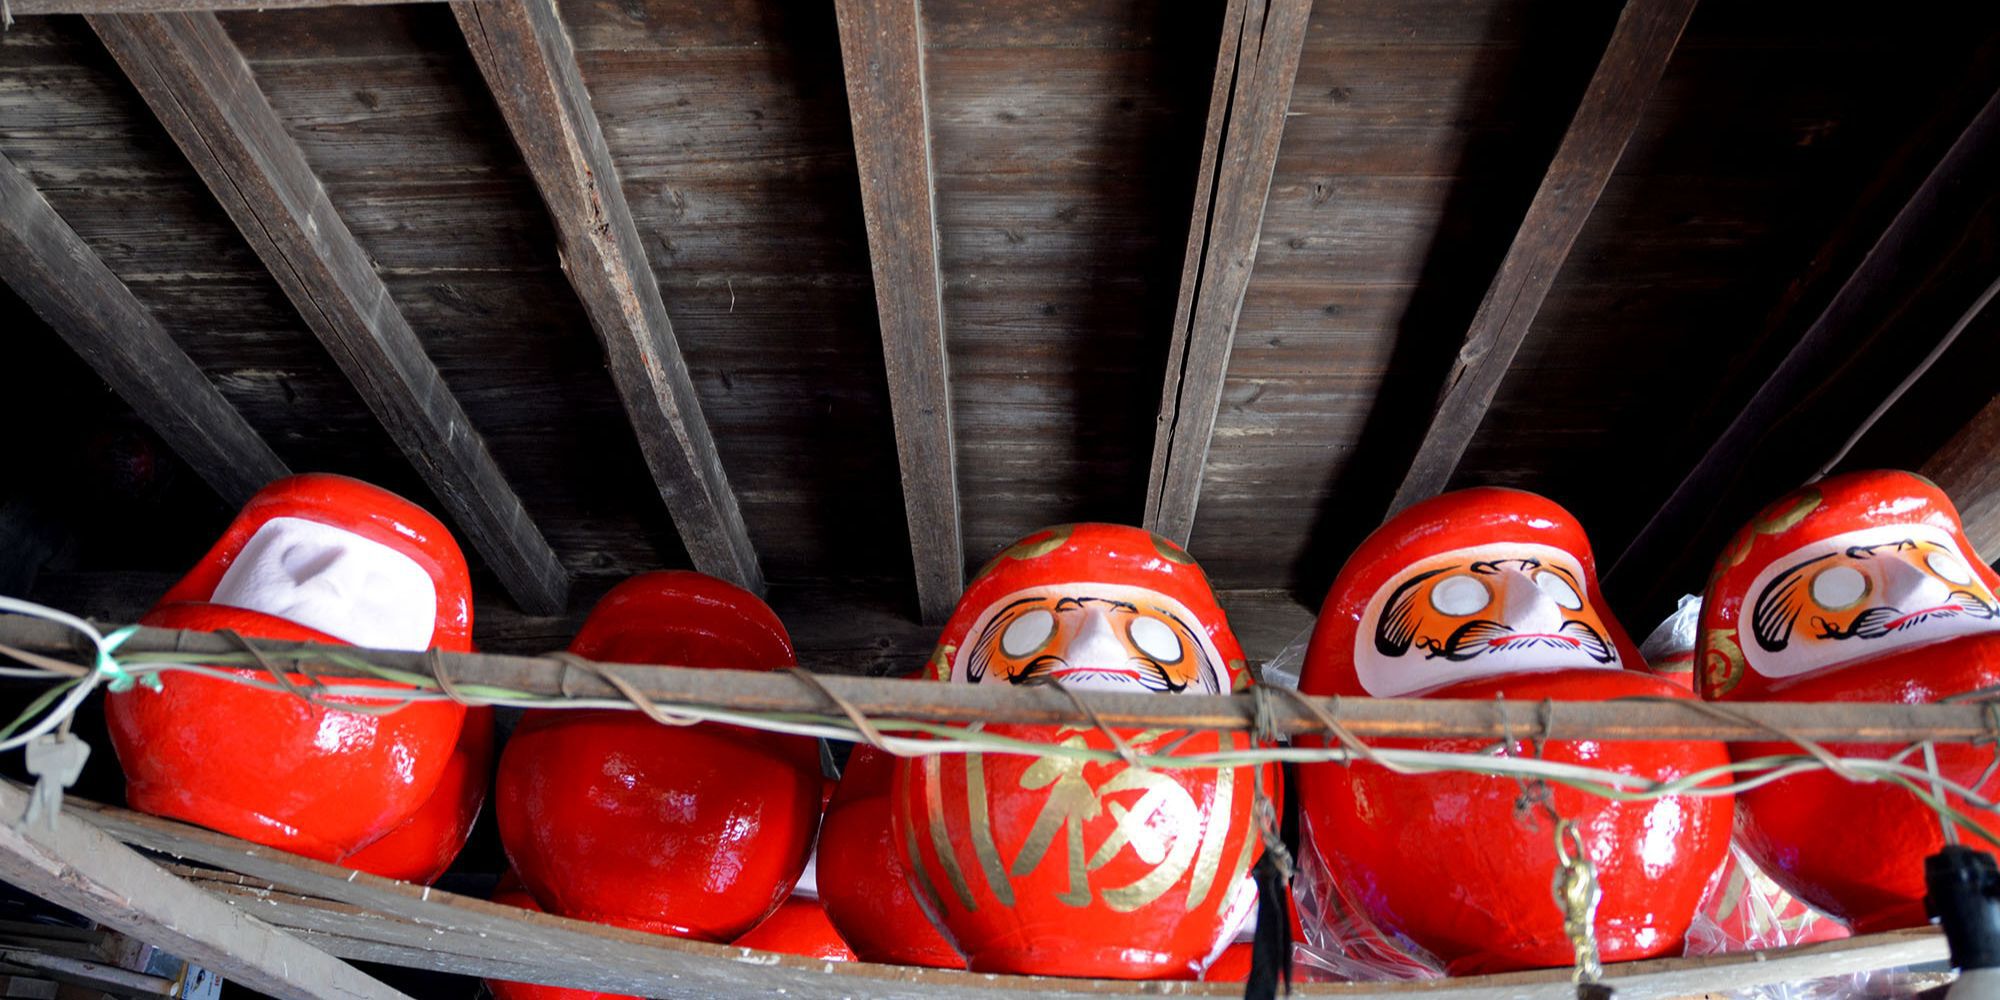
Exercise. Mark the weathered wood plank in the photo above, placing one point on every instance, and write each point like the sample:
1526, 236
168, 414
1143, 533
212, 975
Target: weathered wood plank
1968, 469
1254, 74
58, 275
1633, 63
198, 85
530, 65
882, 50
757, 691
352, 933
73, 863
1932, 209
21, 7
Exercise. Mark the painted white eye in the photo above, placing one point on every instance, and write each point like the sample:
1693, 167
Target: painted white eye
1947, 565
1156, 639
1027, 633
1559, 591
1837, 587
1460, 595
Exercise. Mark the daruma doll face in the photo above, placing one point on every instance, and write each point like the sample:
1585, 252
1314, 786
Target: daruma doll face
1103, 637
1863, 592
1479, 611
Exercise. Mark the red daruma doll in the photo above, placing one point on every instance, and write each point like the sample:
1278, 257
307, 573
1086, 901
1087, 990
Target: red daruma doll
328, 559
1479, 594
1861, 587
696, 831
1054, 865
863, 881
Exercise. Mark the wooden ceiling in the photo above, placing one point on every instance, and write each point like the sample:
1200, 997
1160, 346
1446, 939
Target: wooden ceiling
843, 296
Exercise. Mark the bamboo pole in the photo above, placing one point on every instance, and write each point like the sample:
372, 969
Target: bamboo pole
1374, 718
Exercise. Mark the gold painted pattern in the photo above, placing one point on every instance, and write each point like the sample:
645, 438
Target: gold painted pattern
940, 665
1071, 802
1030, 548
976, 813
1219, 817
1170, 862
923, 875
1174, 553
1722, 664
940, 842
1242, 868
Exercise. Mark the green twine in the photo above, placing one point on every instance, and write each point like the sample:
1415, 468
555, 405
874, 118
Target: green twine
120, 680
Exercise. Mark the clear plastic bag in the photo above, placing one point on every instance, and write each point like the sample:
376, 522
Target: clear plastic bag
1340, 943
1744, 911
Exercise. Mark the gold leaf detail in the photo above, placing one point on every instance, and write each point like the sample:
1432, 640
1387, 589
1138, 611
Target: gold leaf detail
976, 811
940, 842
1807, 502
1174, 553
1722, 662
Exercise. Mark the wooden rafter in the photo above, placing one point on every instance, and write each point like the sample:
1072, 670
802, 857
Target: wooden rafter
1633, 62
530, 65
1256, 64
1931, 208
200, 88
74, 864
882, 52
65, 282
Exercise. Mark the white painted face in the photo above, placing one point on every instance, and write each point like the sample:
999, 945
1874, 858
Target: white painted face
1861, 594
1477, 612
1092, 637
355, 589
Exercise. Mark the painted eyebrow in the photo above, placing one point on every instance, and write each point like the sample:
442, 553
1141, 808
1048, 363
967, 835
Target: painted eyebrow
1574, 582
1868, 551
1078, 602
1488, 567
1016, 604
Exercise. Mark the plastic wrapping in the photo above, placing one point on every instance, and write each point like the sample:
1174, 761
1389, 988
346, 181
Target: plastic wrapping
1745, 910
1340, 943
1669, 650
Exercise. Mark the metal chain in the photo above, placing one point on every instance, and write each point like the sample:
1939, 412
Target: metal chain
1577, 894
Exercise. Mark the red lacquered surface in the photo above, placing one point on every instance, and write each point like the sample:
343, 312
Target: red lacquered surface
1853, 850
1232, 966
1087, 869
512, 893
799, 927
863, 882
696, 832
1442, 862
424, 846
269, 767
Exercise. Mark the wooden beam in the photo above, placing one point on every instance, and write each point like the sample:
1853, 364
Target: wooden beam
24, 7
891, 698
350, 933
530, 66
74, 864
374, 919
66, 283
200, 88
1699, 496
1256, 64
1633, 62
1968, 469
882, 52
